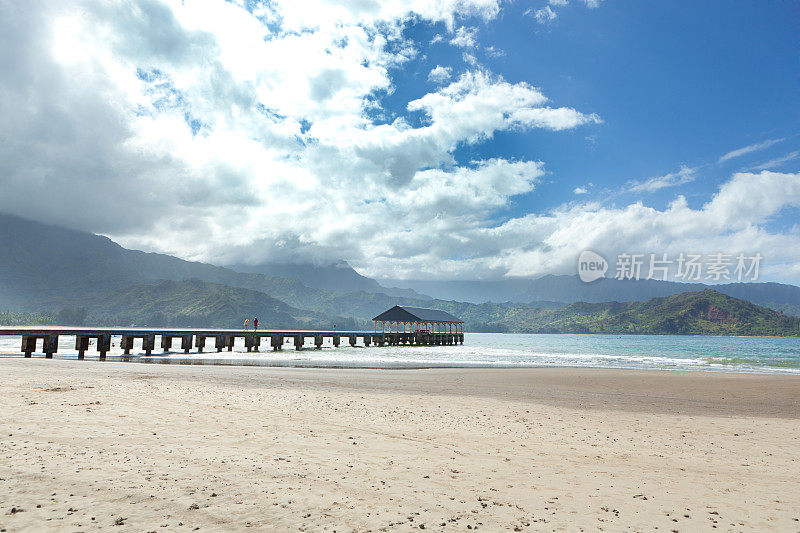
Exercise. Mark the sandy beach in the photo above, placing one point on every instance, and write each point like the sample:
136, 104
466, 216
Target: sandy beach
137, 447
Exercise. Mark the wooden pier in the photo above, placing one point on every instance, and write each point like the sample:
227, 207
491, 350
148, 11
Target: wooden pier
223, 339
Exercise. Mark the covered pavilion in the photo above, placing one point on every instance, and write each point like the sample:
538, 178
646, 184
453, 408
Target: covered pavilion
402, 319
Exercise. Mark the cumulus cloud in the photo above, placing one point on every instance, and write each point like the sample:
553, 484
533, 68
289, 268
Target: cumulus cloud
216, 133
748, 149
679, 177
732, 221
224, 134
476, 105
465, 37
440, 74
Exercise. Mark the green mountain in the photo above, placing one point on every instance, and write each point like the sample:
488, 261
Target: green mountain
706, 312
195, 303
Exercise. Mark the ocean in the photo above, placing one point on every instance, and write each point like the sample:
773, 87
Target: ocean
500, 350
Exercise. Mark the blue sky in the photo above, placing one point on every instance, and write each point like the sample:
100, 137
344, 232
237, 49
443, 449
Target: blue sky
676, 83
458, 139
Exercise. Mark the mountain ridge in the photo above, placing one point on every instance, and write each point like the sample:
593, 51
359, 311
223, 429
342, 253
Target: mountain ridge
339, 277
569, 289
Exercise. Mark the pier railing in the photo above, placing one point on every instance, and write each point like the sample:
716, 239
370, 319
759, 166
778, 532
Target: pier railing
223, 339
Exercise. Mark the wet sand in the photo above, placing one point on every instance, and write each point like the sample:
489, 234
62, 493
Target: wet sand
134, 447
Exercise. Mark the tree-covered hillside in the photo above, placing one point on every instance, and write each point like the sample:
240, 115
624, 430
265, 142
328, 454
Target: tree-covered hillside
699, 313
195, 303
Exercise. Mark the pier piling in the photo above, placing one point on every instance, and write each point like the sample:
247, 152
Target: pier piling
276, 341
82, 344
149, 343
104, 344
166, 343
186, 343
126, 343
50, 345
28, 345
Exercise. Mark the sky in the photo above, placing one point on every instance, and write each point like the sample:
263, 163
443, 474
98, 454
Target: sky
413, 139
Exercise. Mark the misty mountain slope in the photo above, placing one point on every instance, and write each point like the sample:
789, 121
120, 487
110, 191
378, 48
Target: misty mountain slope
45, 266
40, 263
340, 277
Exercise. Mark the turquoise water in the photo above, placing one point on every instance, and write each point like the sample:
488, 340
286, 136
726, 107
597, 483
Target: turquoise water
732, 354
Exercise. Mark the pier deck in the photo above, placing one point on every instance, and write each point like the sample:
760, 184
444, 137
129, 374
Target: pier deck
224, 339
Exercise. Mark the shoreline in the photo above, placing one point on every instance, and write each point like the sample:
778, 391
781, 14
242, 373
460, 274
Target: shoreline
248, 359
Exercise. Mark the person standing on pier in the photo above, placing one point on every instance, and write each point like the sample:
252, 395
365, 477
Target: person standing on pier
246, 324
255, 323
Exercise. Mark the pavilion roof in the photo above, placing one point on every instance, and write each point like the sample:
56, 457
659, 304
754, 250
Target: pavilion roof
416, 314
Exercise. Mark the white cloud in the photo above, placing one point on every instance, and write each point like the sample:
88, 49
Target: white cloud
199, 130
545, 15
679, 177
196, 129
312, 14
465, 37
476, 105
440, 74
774, 163
470, 59
748, 149
732, 221
491, 51
580, 190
